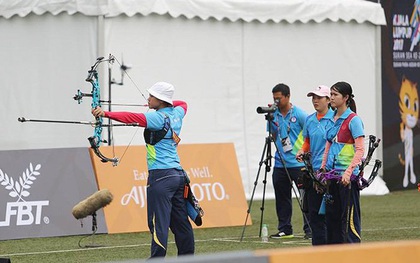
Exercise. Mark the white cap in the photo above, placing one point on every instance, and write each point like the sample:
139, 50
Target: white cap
163, 91
321, 90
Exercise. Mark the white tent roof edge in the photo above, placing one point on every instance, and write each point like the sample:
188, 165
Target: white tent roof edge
263, 11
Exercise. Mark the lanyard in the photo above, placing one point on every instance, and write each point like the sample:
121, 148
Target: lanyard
279, 128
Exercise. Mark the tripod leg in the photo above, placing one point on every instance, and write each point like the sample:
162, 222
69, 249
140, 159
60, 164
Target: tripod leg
262, 161
267, 170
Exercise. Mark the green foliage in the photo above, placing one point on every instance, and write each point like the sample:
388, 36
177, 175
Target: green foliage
384, 218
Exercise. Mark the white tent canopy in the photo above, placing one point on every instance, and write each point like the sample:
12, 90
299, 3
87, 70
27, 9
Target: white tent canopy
222, 56
247, 10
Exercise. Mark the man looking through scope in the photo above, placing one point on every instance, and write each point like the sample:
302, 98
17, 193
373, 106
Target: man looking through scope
286, 131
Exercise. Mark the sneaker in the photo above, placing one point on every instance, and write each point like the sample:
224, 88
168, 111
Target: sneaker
308, 236
281, 235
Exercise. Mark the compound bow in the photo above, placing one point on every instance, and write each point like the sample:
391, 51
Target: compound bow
323, 176
96, 139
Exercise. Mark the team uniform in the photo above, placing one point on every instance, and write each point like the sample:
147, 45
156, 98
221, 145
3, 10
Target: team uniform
166, 205
315, 130
287, 133
343, 214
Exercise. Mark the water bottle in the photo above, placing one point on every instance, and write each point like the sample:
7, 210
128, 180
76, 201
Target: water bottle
264, 233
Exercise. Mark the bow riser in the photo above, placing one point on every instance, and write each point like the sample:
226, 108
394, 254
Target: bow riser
96, 140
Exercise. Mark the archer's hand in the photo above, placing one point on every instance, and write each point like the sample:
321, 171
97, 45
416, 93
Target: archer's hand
321, 170
98, 112
345, 178
320, 189
299, 155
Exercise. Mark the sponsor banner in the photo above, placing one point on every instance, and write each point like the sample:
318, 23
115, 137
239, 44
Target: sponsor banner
400, 94
38, 190
215, 180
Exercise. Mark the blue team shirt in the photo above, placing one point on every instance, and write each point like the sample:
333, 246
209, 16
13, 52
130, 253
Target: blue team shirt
341, 154
315, 130
289, 126
164, 155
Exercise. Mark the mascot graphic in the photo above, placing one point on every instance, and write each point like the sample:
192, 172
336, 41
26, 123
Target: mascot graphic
409, 110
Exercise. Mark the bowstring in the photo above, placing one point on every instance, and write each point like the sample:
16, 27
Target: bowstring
144, 97
128, 75
112, 140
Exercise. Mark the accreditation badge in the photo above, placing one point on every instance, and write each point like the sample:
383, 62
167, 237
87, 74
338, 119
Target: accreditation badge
287, 145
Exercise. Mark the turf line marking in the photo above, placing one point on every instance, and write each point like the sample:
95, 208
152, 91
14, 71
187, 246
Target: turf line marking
104, 247
387, 229
224, 239
71, 250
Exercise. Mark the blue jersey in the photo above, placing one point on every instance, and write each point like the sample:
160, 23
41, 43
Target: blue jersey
164, 155
342, 137
291, 127
315, 130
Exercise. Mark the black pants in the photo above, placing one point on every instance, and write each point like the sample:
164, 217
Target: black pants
343, 215
283, 194
317, 221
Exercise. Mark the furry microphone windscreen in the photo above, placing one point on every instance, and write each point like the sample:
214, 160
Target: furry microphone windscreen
91, 204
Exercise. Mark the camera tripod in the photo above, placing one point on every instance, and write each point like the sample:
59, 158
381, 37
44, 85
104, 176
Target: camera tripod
266, 159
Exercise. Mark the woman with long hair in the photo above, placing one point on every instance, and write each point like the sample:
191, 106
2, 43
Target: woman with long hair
344, 150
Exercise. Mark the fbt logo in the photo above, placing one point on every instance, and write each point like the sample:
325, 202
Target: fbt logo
27, 213
24, 212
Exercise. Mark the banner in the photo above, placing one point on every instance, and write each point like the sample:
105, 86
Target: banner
215, 181
400, 96
38, 190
